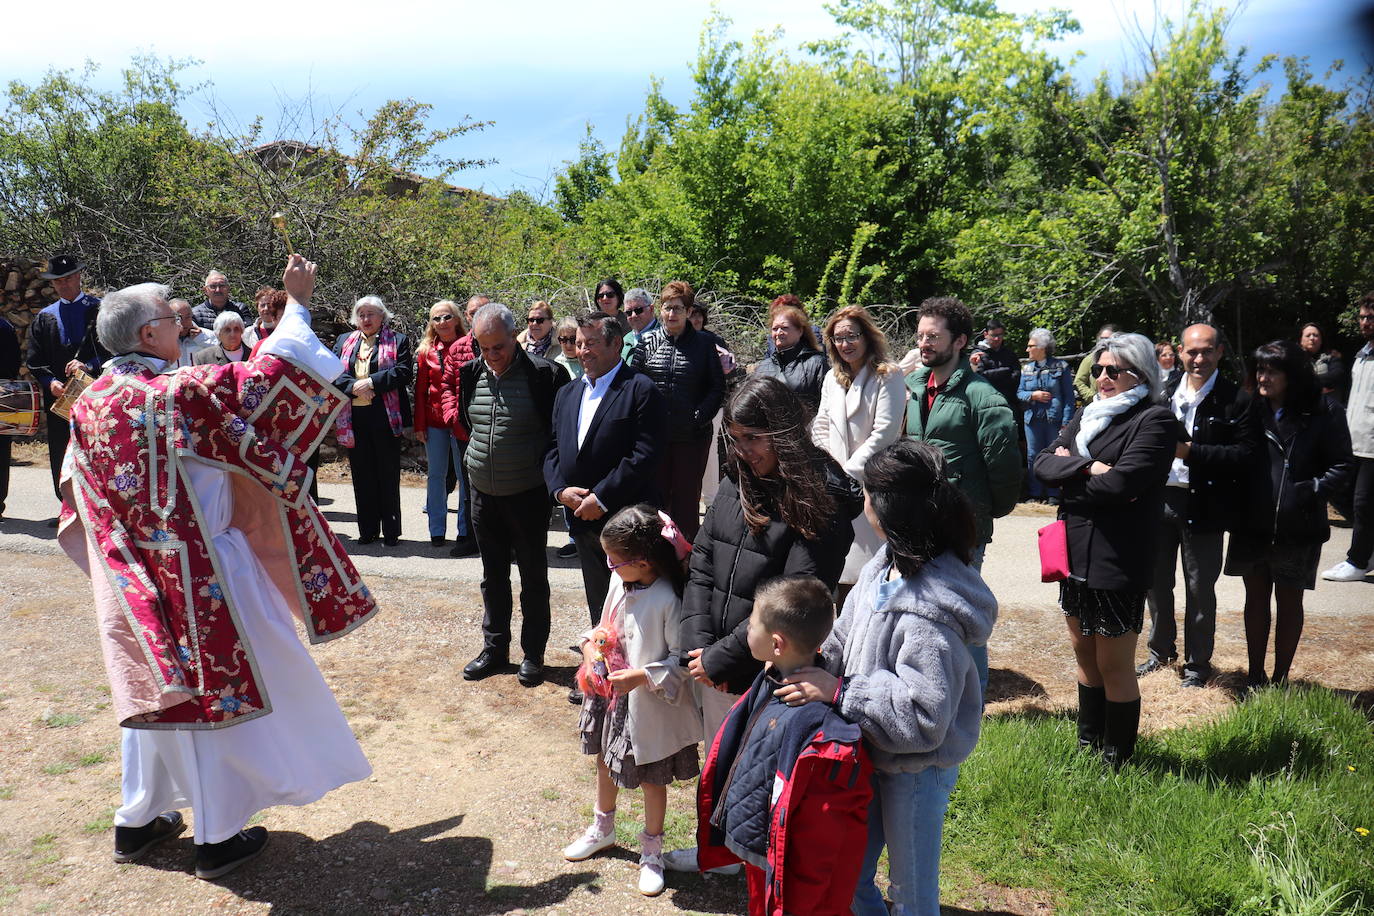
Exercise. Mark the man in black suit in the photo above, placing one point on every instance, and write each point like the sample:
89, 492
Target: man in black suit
1199, 502
608, 430
61, 341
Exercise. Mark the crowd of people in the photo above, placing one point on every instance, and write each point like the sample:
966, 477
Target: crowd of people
834, 583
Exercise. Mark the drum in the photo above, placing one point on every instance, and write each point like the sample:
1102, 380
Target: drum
19, 407
75, 385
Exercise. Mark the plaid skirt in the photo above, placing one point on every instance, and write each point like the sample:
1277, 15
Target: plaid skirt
604, 733
1101, 611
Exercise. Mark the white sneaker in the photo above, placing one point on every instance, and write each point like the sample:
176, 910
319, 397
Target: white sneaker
1345, 571
589, 844
686, 860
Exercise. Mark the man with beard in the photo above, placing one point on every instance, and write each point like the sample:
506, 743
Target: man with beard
955, 409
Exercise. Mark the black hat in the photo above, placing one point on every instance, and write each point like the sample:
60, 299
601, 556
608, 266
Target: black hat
62, 265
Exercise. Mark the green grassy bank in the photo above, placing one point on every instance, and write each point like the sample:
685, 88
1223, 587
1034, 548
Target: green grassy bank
1268, 810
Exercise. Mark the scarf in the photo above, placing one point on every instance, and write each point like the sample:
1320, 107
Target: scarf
386, 358
539, 347
1101, 411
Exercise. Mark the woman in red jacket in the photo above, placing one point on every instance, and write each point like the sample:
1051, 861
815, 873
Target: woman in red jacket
443, 447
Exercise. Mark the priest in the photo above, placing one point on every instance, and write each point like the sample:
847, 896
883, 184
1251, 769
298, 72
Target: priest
186, 502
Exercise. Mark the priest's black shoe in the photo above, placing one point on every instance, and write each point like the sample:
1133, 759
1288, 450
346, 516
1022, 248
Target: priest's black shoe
531, 673
133, 843
216, 859
485, 665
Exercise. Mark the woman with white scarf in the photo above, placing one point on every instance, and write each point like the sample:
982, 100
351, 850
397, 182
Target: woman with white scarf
1112, 462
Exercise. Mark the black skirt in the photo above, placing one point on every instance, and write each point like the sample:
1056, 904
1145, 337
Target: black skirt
1102, 611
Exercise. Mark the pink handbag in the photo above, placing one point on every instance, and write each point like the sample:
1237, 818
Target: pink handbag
1054, 552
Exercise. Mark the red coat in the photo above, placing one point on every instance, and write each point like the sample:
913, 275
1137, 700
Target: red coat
459, 352
818, 819
429, 386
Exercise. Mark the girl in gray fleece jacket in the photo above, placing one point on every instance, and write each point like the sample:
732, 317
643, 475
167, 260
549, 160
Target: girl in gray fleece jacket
907, 677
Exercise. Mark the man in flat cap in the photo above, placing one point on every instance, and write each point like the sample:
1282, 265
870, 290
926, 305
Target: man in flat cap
62, 340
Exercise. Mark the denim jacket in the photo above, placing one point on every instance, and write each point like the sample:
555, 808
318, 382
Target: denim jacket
1052, 375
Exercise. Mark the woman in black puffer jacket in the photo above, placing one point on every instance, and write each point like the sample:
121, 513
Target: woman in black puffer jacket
1307, 447
785, 509
683, 365
796, 360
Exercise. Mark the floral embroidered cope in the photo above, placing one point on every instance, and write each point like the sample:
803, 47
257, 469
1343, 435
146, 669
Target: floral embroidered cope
255, 419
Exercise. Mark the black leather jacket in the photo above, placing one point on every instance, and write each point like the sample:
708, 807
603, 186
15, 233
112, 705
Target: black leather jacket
686, 371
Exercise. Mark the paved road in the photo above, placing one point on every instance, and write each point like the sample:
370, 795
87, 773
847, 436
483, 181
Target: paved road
1012, 567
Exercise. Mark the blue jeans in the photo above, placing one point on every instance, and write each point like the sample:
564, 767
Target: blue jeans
1040, 434
441, 449
908, 817
980, 653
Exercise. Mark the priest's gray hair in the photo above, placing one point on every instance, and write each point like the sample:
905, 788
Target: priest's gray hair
371, 302
1137, 353
124, 312
226, 319
1041, 337
494, 313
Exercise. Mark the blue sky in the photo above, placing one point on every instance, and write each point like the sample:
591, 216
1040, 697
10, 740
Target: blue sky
539, 70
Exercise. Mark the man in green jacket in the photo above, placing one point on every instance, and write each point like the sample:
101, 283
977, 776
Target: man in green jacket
953, 407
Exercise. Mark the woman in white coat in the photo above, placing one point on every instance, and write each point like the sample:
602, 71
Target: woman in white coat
863, 401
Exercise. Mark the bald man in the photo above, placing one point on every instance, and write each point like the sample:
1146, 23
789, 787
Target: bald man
1200, 503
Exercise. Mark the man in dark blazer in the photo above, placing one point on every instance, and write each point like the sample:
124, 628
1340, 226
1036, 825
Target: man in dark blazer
608, 430
1204, 492
61, 340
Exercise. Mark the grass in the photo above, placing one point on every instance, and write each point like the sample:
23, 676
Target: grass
1260, 812
60, 719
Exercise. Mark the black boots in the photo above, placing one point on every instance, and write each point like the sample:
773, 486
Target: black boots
1092, 716
1106, 726
1118, 740
133, 843
214, 860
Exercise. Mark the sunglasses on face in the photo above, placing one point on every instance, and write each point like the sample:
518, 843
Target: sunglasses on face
1113, 372
567, 340
605, 294
540, 320
441, 318
637, 310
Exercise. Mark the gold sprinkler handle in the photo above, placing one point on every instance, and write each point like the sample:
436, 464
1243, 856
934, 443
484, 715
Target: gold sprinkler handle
279, 223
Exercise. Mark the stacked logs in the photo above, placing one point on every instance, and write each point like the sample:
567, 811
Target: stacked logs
25, 293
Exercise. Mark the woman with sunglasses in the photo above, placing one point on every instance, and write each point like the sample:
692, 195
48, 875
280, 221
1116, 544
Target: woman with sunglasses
443, 444
785, 508
1307, 461
1111, 464
565, 335
537, 338
609, 297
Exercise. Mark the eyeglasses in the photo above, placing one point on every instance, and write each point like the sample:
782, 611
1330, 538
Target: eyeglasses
672, 309
843, 339
567, 340
606, 294
637, 310
615, 566
539, 320
162, 318
1113, 372
934, 337
441, 318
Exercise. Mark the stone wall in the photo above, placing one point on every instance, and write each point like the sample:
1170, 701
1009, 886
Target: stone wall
25, 293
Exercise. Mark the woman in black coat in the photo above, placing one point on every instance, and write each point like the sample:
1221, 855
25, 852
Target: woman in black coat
379, 365
1308, 462
686, 370
1112, 462
796, 360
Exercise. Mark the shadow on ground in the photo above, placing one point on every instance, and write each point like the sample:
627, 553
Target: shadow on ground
369, 868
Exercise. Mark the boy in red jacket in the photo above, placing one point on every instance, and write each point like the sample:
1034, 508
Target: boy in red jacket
786, 788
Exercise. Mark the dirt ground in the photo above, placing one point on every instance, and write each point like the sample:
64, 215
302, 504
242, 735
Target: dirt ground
476, 787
